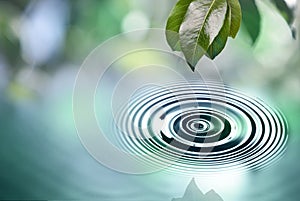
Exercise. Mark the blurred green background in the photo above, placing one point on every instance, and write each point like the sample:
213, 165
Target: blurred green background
42, 45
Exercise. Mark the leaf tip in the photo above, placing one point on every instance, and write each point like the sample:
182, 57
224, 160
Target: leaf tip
294, 33
233, 35
212, 57
253, 40
191, 66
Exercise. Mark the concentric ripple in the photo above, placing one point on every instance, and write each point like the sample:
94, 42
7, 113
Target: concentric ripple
196, 127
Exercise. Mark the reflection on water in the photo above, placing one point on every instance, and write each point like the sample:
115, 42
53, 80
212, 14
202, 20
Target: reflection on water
192, 192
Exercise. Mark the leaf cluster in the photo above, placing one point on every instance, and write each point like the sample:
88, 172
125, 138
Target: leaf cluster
202, 27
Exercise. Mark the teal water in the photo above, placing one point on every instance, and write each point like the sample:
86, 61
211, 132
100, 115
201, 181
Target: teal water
43, 158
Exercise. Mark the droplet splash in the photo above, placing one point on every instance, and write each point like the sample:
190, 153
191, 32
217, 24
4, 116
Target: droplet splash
200, 127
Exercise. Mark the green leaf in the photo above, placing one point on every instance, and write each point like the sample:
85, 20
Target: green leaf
202, 23
251, 18
286, 12
220, 41
174, 21
236, 17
